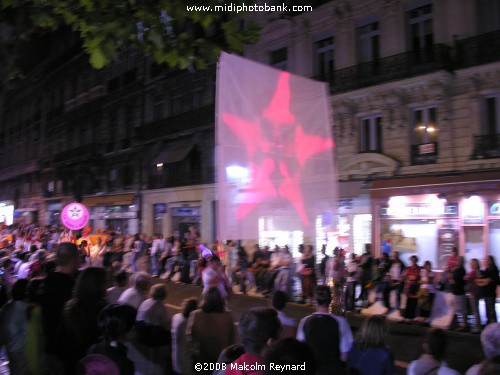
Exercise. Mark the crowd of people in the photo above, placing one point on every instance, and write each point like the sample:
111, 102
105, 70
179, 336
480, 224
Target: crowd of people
61, 315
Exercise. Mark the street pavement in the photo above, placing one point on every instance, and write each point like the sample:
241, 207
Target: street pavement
464, 350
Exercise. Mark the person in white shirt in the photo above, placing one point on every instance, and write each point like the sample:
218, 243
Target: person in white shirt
24, 269
179, 344
214, 276
136, 252
121, 281
156, 250
320, 336
153, 310
138, 292
230, 259
432, 361
395, 279
352, 280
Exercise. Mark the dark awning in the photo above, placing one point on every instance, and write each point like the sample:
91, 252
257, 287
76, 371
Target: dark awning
175, 151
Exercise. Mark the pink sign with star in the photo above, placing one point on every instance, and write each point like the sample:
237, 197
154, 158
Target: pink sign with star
275, 151
75, 216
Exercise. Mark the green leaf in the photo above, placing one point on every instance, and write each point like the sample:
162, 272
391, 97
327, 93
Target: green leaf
97, 58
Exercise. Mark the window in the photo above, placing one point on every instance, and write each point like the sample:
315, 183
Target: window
368, 42
127, 177
424, 125
488, 16
371, 134
112, 174
492, 115
158, 108
129, 122
421, 37
324, 64
96, 130
176, 105
196, 98
279, 59
112, 131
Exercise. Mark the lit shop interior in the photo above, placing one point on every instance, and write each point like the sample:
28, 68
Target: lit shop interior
6, 213
430, 225
350, 232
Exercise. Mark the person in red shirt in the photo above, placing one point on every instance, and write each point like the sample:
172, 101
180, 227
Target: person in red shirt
257, 328
412, 281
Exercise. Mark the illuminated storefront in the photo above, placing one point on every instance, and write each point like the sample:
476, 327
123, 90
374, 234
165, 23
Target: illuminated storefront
429, 216
115, 213
6, 213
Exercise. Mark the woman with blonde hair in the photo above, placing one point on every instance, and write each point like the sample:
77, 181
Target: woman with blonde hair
370, 354
210, 329
153, 311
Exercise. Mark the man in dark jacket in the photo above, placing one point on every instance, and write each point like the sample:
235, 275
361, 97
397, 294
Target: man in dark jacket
457, 284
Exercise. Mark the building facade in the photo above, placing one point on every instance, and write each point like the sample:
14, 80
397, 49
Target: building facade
107, 138
415, 99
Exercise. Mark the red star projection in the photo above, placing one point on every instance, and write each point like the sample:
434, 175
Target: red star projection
250, 132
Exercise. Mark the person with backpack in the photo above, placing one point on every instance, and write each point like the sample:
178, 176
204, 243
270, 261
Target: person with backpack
329, 335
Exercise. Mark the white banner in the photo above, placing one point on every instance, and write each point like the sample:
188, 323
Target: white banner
275, 153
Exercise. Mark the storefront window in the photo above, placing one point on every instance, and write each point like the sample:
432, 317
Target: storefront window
411, 237
494, 239
474, 247
361, 232
281, 238
160, 209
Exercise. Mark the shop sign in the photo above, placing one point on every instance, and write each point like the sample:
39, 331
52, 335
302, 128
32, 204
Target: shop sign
160, 208
188, 219
185, 211
495, 209
428, 148
75, 216
421, 210
116, 215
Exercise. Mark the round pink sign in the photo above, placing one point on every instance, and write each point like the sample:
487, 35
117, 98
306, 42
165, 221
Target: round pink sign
75, 216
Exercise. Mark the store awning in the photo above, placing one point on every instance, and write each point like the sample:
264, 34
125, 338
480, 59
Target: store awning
175, 151
109, 200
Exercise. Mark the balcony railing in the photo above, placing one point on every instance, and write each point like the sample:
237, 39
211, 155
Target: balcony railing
189, 120
486, 146
480, 49
426, 153
389, 68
